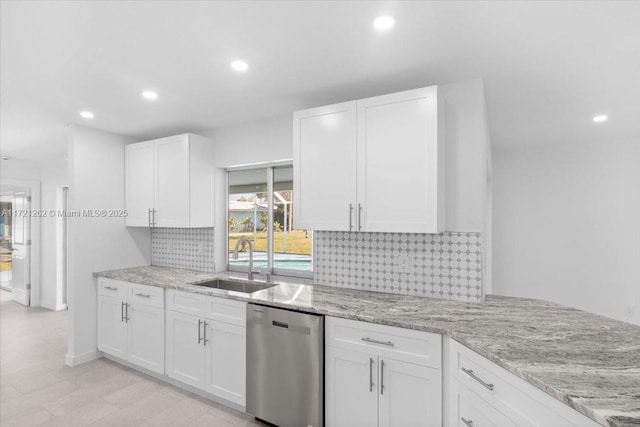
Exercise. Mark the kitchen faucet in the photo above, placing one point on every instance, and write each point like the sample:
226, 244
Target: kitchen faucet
251, 270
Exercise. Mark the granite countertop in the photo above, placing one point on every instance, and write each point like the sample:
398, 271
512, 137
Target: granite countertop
589, 362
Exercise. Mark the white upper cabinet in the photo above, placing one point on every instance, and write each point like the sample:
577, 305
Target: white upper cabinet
324, 152
170, 182
376, 164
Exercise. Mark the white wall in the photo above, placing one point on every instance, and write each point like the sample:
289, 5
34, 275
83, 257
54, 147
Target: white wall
52, 177
17, 169
96, 180
567, 225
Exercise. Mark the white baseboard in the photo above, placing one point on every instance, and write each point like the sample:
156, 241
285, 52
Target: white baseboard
78, 359
60, 307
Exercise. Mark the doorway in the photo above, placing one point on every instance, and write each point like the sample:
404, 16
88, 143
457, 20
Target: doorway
19, 254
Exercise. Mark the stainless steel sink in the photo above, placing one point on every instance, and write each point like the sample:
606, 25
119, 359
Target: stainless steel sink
236, 286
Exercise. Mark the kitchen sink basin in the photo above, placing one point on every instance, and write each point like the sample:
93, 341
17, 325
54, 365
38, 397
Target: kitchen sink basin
236, 286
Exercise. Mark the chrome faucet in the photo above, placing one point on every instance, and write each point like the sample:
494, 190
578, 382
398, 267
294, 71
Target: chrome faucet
235, 254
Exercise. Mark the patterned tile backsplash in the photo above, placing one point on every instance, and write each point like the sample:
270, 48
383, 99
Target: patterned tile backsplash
190, 248
447, 265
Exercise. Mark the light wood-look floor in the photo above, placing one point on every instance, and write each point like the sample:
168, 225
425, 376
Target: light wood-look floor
36, 388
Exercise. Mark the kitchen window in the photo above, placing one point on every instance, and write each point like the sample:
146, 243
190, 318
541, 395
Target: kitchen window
260, 208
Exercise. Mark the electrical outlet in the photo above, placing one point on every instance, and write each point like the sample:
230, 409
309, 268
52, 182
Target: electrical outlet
403, 261
630, 311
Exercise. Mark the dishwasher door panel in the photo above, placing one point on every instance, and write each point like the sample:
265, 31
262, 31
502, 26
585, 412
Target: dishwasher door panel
285, 366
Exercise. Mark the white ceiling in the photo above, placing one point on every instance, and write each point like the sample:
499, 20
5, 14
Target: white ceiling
549, 67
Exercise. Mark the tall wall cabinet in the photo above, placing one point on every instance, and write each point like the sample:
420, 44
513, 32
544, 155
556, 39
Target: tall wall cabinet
170, 182
375, 164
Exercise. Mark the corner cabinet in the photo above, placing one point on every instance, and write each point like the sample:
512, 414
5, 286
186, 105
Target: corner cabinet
169, 182
381, 376
480, 393
375, 164
131, 323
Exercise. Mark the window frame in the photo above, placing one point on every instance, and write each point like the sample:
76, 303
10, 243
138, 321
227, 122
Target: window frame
269, 168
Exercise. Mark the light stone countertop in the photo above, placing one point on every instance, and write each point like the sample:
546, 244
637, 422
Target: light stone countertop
589, 362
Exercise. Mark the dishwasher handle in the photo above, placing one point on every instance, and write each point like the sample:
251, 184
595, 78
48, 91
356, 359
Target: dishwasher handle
280, 324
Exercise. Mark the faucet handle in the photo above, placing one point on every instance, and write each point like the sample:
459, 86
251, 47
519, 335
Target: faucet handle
264, 271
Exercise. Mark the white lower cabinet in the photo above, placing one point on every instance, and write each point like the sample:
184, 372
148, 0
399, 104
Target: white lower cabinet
203, 351
381, 376
131, 323
483, 394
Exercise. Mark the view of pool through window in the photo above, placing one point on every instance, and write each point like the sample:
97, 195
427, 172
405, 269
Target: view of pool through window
248, 214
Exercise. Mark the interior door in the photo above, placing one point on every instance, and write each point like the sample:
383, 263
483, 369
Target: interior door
21, 284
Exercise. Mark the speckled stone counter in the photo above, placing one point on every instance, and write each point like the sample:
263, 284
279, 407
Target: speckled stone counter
589, 362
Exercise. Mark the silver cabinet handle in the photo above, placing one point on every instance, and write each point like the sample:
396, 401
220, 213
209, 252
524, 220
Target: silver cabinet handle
381, 377
199, 336
122, 317
126, 312
475, 377
111, 288
154, 217
359, 217
205, 332
469, 423
371, 374
350, 217
150, 221
143, 295
367, 339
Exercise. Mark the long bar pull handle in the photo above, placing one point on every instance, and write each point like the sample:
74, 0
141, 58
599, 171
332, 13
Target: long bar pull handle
150, 221
122, 311
475, 377
111, 288
469, 423
154, 217
350, 217
359, 217
126, 312
205, 332
367, 339
381, 377
199, 333
144, 295
371, 374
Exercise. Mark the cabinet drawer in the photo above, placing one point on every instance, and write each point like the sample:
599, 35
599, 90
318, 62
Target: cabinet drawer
187, 302
422, 348
227, 310
146, 295
113, 288
221, 309
521, 402
469, 410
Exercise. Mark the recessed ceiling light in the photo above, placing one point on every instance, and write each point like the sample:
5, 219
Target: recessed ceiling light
600, 118
86, 114
148, 94
384, 23
239, 65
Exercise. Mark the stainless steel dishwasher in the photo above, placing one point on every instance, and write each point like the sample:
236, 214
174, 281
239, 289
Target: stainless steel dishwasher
285, 366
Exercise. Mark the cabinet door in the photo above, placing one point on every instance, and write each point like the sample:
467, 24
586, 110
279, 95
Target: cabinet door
172, 181
185, 355
146, 337
324, 167
410, 395
112, 330
225, 369
399, 164
351, 388
139, 183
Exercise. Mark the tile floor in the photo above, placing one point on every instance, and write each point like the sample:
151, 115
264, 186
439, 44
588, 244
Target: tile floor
37, 389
